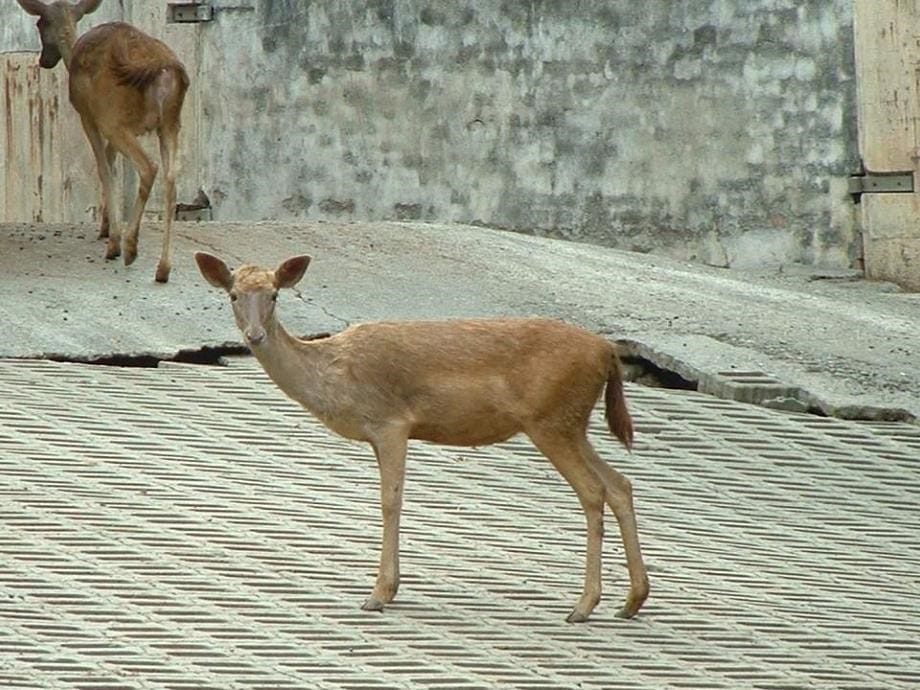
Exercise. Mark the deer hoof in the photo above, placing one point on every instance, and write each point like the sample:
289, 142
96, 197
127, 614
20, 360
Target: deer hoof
112, 251
634, 602
130, 256
576, 617
162, 275
627, 611
373, 604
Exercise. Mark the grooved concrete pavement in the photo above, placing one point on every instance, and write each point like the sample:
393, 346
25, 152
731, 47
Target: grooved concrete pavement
189, 527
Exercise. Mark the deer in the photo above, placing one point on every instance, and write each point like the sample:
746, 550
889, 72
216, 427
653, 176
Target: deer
463, 382
123, 83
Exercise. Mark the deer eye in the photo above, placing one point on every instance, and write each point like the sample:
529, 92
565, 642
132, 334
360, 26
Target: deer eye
233, 297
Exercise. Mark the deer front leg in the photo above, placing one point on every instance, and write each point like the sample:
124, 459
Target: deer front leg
391, 461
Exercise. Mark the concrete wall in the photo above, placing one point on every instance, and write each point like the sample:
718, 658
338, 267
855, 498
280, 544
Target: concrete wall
717, 130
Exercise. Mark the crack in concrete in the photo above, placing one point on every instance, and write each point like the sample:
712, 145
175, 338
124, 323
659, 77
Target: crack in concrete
217, 251
207, 355
643, 364
306, 300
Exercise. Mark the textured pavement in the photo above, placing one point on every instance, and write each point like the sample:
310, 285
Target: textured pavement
187, 527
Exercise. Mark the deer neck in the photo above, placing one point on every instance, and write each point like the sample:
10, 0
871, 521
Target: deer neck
66, 53
301, 369
65, 43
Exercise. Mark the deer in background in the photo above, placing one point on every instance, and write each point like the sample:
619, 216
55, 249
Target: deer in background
123, 83
464, 383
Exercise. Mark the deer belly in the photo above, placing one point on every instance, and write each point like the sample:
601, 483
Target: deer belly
467, 429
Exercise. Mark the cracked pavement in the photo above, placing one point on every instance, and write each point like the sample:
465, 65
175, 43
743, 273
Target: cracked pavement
849, 345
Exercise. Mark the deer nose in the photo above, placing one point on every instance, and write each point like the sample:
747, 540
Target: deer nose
255, 337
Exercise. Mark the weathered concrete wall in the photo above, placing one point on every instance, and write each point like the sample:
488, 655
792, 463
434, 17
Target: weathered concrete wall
716, 130
719, 130
18, 32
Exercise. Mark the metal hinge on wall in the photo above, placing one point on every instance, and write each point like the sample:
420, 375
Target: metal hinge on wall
188, 12
887, 183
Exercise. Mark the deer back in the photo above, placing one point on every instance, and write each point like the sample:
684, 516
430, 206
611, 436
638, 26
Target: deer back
142, 80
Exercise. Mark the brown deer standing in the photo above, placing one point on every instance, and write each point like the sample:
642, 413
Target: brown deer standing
123, 83
465, 383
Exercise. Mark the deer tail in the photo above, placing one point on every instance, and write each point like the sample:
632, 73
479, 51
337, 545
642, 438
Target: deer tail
618, 419
139, 61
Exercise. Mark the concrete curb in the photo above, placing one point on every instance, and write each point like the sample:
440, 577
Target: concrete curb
756, 387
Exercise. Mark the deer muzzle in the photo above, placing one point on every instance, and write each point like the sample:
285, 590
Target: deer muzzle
255, 336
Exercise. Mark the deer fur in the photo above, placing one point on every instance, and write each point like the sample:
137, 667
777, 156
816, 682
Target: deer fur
123, 83
465, 383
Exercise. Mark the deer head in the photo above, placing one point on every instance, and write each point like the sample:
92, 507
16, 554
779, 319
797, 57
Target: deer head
57, 25
253, 290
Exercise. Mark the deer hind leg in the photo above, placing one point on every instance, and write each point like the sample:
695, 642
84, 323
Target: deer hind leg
105, 219
390, 450
128, 146
564, 451
618, 494
104, 159
169, 143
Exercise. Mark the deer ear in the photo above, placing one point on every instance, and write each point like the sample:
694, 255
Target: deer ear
214, 270
86, 7
290, 271
35, 7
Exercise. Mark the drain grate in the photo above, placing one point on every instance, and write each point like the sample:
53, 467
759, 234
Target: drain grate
188, 527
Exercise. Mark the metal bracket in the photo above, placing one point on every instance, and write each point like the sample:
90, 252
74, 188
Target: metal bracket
188, 12
881, 183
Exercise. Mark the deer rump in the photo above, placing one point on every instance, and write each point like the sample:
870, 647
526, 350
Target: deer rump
150, 79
